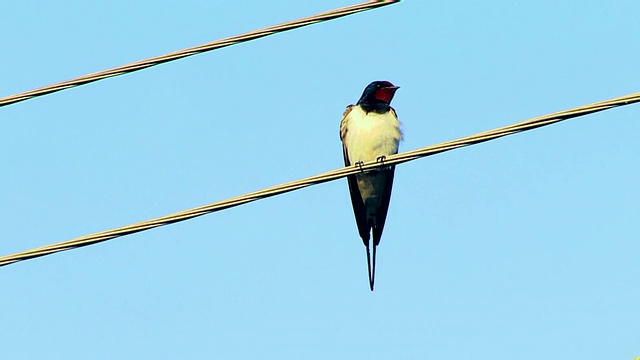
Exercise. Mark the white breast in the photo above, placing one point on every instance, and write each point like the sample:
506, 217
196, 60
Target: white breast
371, 135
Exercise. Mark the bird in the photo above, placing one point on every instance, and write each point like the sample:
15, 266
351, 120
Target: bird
370, 130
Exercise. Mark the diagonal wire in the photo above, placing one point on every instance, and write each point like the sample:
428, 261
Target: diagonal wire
321, 178
143, 64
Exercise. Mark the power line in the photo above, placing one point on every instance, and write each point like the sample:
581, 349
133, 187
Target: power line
143, 64
321, 178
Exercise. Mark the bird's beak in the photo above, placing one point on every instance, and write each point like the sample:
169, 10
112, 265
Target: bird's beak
394, 88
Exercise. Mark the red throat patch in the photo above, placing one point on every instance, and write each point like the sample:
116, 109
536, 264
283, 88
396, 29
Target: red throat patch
385, 94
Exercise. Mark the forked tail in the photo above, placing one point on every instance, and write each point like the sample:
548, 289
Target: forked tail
371, 269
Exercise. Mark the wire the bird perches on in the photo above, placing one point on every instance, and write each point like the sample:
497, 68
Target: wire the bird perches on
318, 179
143, 64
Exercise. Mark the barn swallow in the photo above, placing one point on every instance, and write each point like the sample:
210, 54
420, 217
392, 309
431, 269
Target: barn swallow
369, 131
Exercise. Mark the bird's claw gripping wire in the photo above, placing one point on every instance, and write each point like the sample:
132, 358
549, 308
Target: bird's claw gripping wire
379, 159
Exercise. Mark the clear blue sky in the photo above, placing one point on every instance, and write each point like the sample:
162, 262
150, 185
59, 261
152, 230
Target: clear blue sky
521, 248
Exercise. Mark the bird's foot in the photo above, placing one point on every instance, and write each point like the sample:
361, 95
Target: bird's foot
381, 159
359, 164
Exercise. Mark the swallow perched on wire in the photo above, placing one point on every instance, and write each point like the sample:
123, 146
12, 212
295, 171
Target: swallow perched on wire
369, 131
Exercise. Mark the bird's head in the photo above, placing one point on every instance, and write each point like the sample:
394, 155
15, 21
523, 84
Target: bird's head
377, 96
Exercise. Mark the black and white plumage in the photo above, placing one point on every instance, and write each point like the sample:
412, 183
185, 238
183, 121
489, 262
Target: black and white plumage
369, 131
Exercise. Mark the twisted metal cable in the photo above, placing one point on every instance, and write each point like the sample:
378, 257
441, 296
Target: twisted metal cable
143, 64
321, 178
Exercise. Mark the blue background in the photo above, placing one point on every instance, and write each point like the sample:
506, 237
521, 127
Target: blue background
521, 248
